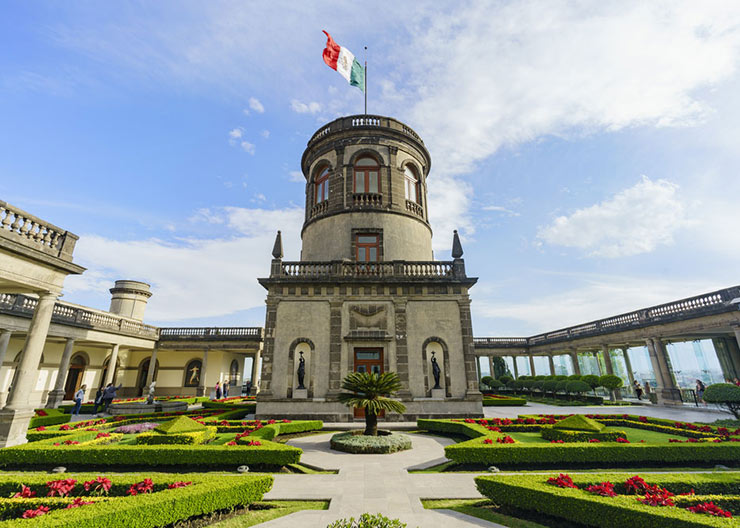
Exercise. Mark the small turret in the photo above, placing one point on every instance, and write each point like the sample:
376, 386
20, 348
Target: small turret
129, 298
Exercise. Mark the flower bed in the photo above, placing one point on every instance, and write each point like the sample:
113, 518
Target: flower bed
355, 442
496, 400
46, 417
616, 500
131, 500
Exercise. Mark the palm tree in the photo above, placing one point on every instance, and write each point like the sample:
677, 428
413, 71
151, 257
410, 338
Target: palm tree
369, 391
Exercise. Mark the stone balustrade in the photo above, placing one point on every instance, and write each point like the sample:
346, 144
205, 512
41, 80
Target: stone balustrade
352, 269
320, 208
701, 305
211, 333
371, 200
415, 208
24, 306
30, 231
364, 121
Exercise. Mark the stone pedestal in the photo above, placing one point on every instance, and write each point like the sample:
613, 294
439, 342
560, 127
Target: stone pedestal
55, 398
438, 394
13, 426
300, 394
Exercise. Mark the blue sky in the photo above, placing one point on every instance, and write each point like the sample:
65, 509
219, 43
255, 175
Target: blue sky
586, 151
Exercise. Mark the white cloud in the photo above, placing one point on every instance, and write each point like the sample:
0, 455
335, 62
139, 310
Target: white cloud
501, 209
296, 176
305, 108
194, 277
247, 147
255, 105
265, 134
635, 220
235, 134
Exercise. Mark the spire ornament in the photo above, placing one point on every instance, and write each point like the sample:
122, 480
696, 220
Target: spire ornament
457, 250
277, 249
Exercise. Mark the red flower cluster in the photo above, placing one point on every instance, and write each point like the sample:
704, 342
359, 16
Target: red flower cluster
557, 441
99, 486
488, 441
710, 509
78, 502
30, 514
254, 443
24, 493
41, 428
60, 488
635, 484
562, 481
495, 429
505, 440
70, 442
179, 484
643, 419
145, 486
65, 427
605, 489
41, 412
102, 435
594, 441
621, 440
232, 443
655, 496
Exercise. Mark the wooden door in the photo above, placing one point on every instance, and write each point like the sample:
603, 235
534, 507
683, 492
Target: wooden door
368, 360
74, 380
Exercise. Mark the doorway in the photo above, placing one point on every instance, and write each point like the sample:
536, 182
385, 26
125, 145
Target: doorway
368, 360
74, 377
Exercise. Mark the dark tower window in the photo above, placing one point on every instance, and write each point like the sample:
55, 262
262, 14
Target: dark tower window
367, 178
411, 181
367, 248
322, 185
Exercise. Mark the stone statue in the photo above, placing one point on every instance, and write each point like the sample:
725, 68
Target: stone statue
150, 398
301, 371
435, 372
194, 378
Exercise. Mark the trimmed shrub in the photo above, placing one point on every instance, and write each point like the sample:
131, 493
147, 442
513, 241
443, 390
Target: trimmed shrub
560, 377
486, 380
591, 380
561, 386
605, 435
503, 401
574, 377
726, 395
579, 422
367, 520
577, 387
351, 442
46, 417
191, 438
550, 386
181, 424
505, 379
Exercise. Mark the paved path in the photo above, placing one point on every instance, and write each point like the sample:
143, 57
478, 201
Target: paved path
375, 484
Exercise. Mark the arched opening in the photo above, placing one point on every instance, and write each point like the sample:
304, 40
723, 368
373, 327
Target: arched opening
322, 185
74, 376
106, 364
141, 386
412, 184
367, 175
193, 373
234, 373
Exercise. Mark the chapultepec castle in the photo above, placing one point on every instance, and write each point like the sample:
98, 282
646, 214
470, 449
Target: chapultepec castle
366, 296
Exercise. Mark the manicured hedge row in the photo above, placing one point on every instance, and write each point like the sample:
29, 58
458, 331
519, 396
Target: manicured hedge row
192, 438
598, 455
471, 430
382, 445
605, 435
688, 433
270, 431
534, 494
507, 401
202, 456
53, 417
250, 406
206, 494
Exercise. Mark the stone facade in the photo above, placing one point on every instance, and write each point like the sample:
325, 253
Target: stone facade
387, 311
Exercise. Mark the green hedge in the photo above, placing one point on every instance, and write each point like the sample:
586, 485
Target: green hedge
191, 438
53, 417
598, 454
358, 443
471, 430
250, 407
207, 493
605, 435
507, 401
270, 431
532, 493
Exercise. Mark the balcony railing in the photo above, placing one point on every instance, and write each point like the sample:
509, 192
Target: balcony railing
702, 305
364, 121
30, 231
415, 208
228, 333
24, 306
350, 269
371, 200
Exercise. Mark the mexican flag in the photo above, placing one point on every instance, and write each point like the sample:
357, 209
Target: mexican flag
342, 60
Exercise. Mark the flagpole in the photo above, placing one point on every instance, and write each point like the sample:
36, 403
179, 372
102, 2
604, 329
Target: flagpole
365, 80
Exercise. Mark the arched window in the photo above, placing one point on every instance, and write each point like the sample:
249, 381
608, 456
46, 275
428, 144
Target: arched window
233, 373
367, 175
411, 184
322, 185
193, 373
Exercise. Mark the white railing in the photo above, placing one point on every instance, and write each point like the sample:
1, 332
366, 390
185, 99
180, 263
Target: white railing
26, 229
393, 269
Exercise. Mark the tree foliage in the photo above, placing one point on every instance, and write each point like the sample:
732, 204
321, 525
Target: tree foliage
371, 392
726, 395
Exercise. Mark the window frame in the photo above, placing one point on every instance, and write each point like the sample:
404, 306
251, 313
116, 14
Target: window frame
322, 181
366, 170
416, 179
366, 246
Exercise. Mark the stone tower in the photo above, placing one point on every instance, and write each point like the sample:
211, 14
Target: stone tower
367, 294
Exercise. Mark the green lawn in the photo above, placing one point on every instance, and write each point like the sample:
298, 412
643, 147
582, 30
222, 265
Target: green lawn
633, 435
269, 510
480, 508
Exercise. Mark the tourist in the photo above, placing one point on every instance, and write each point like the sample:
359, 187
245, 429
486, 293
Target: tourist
648, 390
249, 387
218, 390
109, 395
736, 382
226, 389
638, 389
98, 400
79, 395
700, 391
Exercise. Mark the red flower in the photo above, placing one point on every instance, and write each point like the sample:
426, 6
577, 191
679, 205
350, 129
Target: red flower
636, 484
70, 442
231, 443
41, 412
488, 441
100, 485
179, 484
102, 435
505, 440
78, 502
41, 428
643, 419
710, 509
674, 441
65, 427
605, 489
254, 443
60, 488
495, 429
30, 514
270, 422
622, 440
557, 441
145, 486
562, 481
594, 441
24, 493
655, 496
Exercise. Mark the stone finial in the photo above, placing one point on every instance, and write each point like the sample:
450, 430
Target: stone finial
457, 250
277, 249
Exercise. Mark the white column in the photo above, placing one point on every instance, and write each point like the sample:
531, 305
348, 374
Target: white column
110, 374
531, 366
552, 364
4, 340
667, 391
56, 396
516, 368
16, 415
490, 366
574, 359
152, 366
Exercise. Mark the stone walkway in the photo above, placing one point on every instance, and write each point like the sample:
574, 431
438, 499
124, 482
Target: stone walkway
375, 484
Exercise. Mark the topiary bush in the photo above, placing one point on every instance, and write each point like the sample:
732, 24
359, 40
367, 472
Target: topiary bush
611, 382
505, 379
592, 381
726, 395
577, 387
368, 521
352, 442
574, 377
487, 380
550, 386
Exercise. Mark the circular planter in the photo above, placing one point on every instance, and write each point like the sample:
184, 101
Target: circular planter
357, 443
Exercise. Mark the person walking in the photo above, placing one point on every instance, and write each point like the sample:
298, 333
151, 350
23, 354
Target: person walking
79, 395
218, 390
98, 400
700, 387
109, 395
638, 390
226, 388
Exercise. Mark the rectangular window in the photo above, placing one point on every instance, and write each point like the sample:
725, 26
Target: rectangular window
372, 185
367, 248
359, 182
